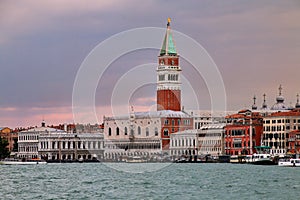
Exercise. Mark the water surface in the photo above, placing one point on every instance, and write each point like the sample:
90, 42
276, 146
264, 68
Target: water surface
174, 181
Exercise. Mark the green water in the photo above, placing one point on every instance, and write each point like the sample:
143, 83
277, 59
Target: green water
174, 181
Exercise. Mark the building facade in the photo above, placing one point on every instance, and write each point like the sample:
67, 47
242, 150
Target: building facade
65, 146
243, 132
142, 133
11, 137
208, 140
28, 141
211, 139
294, 142
276, 129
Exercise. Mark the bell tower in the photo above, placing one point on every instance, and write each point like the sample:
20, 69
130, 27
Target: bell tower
168, 75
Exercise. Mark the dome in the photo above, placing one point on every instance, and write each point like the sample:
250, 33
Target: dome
280, 99
279, 106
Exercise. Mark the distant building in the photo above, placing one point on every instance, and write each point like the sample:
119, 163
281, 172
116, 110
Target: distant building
243, 132
206, 140
28, 140
294, 142
280, 105
277, 127
211, 139
70, 146
184, 143
205, 117
11, 137
142, 133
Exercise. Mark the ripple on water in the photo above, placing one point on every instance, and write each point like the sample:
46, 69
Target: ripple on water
176, 181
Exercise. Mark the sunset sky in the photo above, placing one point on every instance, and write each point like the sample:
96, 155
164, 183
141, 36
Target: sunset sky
255, 44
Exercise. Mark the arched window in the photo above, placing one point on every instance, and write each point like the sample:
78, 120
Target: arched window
117, 131
156, 131
139, 130
147, 131
125, 131
109, 131
173, 122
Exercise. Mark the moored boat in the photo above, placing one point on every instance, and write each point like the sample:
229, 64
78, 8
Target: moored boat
293, 162
13, 161
262, 157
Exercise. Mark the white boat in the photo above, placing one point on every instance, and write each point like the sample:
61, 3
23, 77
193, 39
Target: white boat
13, 161
234, 159
293, 162
135, 159
262, 157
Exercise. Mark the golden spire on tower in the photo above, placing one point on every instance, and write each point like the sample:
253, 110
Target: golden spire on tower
169, 21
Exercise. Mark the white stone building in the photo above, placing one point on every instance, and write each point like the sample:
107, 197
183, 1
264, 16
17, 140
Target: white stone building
206, 117
208, 139
142, 133
28, 140
71, 146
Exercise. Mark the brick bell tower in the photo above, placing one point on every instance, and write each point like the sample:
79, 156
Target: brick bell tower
168, 75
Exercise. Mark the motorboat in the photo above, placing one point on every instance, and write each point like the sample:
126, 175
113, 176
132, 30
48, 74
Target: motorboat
263, 156
292, 162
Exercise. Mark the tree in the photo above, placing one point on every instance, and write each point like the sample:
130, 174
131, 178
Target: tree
15, 146
3, 148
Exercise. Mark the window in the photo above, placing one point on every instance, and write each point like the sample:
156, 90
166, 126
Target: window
173, 122
131, 132
109, 131
139, 130
117, 131
125, 131
147, 131
178, 122
156, 131
161, 77
166, 132
166, 122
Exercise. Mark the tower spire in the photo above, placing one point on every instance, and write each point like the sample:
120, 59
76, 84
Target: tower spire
297, 104
280, 89
168, 47
254, 107
168, 75
264, 105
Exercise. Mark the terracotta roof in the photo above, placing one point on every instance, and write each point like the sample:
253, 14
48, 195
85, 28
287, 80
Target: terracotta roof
295, 112
236, 116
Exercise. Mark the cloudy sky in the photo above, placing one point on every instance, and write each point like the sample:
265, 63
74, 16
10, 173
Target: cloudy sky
255, 44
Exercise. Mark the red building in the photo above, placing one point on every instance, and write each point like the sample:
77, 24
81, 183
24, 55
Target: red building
242, 128
173, 123
294, 142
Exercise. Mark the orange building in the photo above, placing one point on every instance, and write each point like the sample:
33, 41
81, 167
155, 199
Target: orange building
12, 137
